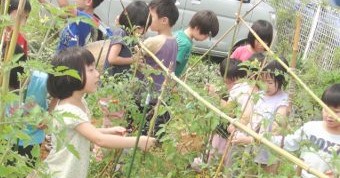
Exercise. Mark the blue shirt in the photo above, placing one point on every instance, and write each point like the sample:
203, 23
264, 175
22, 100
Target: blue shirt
79, 33
37, 92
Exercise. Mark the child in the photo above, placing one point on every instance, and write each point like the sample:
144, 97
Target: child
265, 31
119, 57
164, 15
79, 130
78, 34
268, 113
322, 137
12, 11
201, 25
239, 93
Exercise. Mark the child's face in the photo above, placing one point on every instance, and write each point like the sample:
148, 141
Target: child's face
271, 86
229, 83
157, 23
258, 47
198, 36
329, 119
92, 79
82, 4
23, 18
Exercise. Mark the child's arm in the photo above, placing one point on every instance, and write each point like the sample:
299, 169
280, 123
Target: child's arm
114, 59
112, 141
290, 142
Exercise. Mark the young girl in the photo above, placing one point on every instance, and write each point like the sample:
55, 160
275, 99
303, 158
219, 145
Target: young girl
265, 31
119, 56
76, 117
268, 112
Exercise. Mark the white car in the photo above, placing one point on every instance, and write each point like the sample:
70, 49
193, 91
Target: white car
225, 9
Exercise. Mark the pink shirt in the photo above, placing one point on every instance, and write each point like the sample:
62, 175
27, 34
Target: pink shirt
242, 53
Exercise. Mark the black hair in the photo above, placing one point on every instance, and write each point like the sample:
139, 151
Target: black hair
277, 72
96, 3
13, 75
234, 70
76, 58
165, 8
206, 21
331, 96
13, 5
138, 12
264, 30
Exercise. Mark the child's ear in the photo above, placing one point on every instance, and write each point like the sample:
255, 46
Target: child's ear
165, 20
89, 3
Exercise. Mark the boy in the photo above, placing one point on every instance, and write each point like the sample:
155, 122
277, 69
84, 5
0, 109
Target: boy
164, 15
78, 34
323, 151
202, 24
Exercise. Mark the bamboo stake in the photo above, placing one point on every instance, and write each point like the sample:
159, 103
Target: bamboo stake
291, 72
220, 39
226, 151
9, 55
258, 137
294, 58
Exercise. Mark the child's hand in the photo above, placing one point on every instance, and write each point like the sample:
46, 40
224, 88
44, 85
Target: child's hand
210, 88
329, 173
117, 130
145, 143
242, 140
231, 128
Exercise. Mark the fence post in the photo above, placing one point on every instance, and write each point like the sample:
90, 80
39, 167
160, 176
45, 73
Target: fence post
312, 32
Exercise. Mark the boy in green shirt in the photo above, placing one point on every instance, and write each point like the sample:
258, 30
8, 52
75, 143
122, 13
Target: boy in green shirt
202, 24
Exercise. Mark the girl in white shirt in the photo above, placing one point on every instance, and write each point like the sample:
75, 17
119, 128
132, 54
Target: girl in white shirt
74, 120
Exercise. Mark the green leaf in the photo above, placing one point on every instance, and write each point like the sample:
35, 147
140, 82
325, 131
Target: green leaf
73, 150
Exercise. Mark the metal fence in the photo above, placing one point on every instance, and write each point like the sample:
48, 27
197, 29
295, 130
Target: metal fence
320, 31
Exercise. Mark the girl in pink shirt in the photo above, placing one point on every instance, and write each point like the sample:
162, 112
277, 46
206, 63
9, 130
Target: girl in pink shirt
265, 31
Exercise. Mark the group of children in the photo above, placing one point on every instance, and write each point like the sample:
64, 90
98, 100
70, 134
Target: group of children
264, 113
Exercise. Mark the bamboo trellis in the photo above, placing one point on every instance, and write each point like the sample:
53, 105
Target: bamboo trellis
247, 130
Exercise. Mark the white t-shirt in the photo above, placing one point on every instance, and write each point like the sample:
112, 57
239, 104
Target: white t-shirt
62, 163
240, 93
262, 119
317, 152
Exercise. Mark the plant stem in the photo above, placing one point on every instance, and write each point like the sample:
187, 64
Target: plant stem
145, 109
155, 113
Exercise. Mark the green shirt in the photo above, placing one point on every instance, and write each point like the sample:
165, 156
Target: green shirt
184, 49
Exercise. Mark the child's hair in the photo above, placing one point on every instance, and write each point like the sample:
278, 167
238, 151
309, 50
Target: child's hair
331, 96
277, 72
96, 3
264, 30
206, 21
234, 70
13, 5
165, 8
13, 75
76, 58
137, 12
